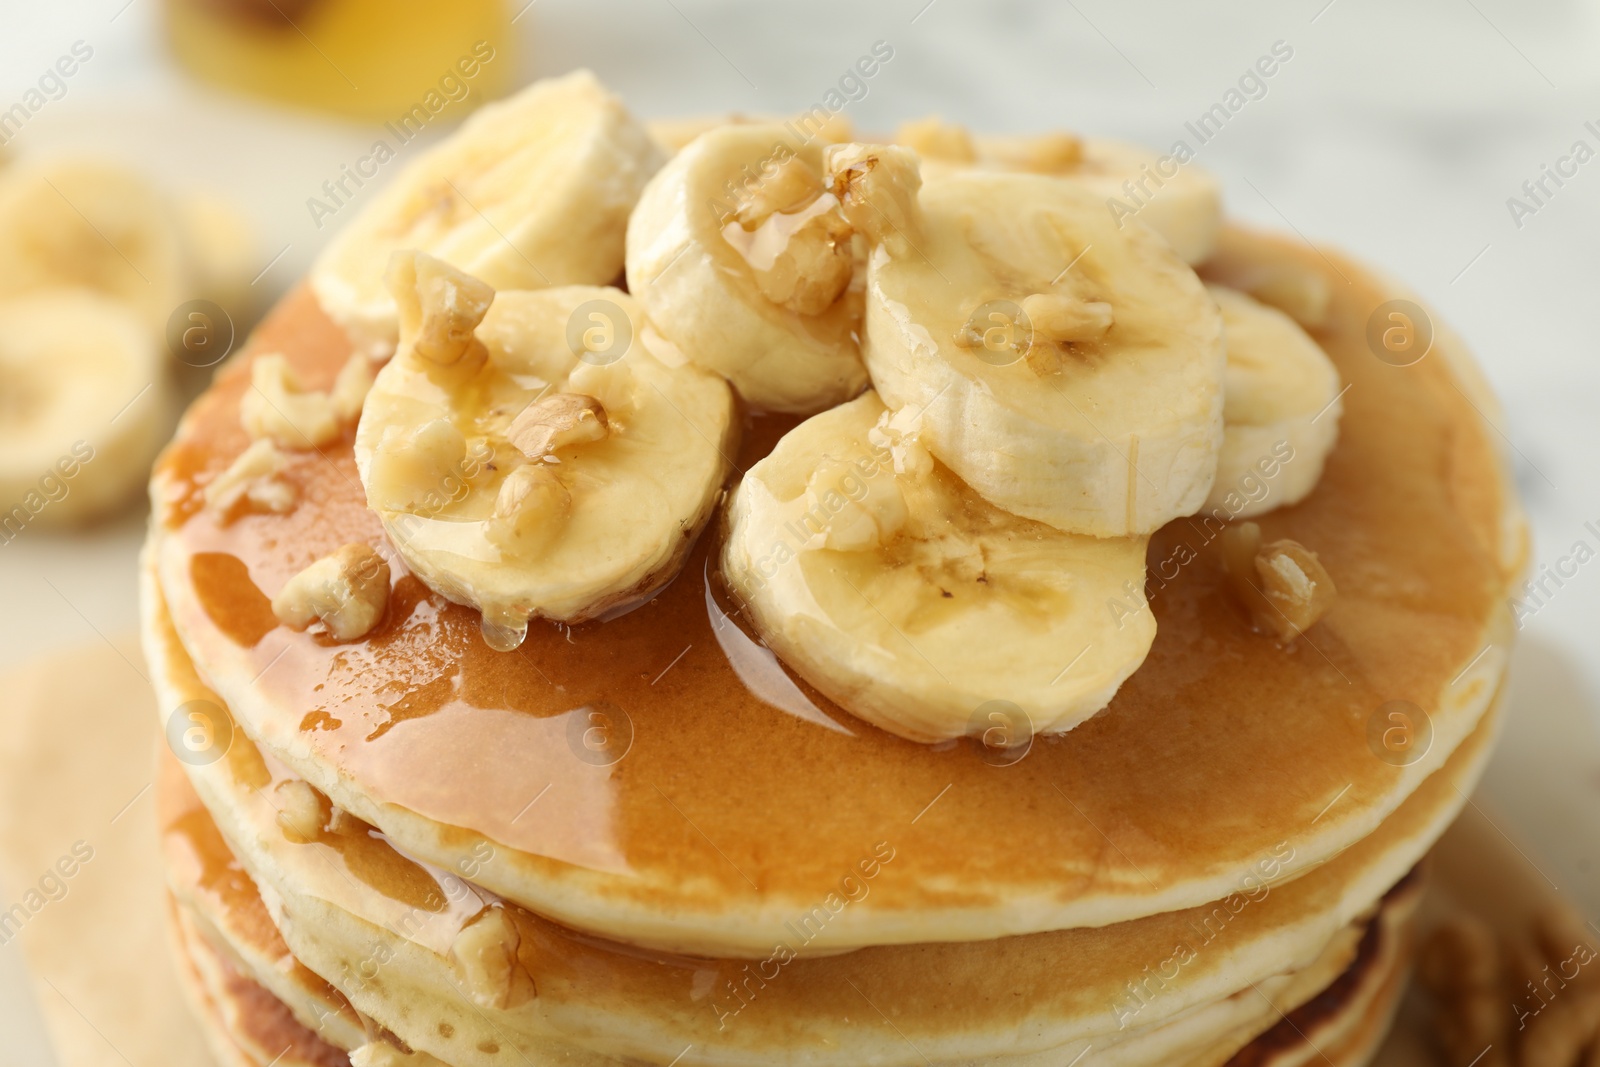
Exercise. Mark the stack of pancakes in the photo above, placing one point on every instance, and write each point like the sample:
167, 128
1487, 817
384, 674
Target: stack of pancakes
639, 841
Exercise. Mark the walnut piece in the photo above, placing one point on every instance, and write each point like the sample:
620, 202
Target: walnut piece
1282, 584
1532, 1001
934, 138
877, 190
303, 812
1461, 965
439, 308
791, 186
485, 951
810, 263
531, 506
347, 591
278, 408
558, 421
1047, 153
254, 478
1056, 319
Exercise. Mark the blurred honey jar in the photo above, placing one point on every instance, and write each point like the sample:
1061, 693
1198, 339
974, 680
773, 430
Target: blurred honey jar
371, 60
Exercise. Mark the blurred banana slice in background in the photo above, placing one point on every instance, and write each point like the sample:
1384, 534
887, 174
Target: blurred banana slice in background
222, 250
94, 261
673, 135
1068, 369
75, 224
1281, 412
902, 595
741, 258
535, 458
532, 191
1181, 202
85, 402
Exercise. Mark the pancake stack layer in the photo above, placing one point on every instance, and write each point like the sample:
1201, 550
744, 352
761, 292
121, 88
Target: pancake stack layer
642, 837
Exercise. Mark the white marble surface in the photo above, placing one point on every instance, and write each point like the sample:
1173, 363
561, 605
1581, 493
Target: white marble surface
1396, 132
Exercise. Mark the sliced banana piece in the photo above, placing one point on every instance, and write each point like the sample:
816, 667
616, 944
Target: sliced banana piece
1178, 200
533, 191
222, 249
1068, 369
673, 135
1281, 413
913, 603
526, 462
742, 259
85, 402
81, 225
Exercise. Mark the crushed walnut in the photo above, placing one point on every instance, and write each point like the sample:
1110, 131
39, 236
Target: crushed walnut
1282, 584
278, 408
877, 186
347, 592
485, 951
531, 506
934, 138
558, 421
440, 307
255, 480
303, 812
794, 238
1530, 1001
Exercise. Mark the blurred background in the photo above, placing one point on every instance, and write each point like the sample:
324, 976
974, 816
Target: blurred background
1398, 133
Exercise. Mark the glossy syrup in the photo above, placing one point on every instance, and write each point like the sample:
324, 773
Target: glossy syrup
739, 781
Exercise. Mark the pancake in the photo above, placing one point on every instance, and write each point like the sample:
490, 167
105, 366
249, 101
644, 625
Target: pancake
245, 1025
344, 902
239, 1015
1240, 1016
745, 799
218, 900
1346, 1023
1319, 999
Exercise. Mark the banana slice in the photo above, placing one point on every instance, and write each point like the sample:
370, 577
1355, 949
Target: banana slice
221, 247
906, 598
675, 134
533, 191
1068, 369
85, 402
1281, 414
79, 225
1178, 200
742, 259
536, 458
